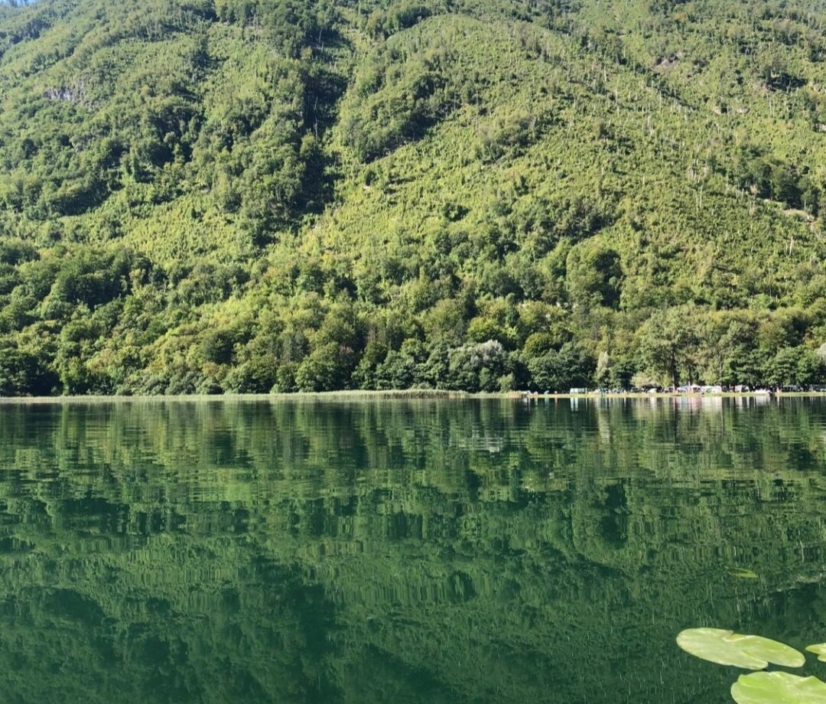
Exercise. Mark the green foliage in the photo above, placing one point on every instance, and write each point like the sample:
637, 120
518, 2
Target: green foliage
565, 180
728, 648
400, 91
755, 653
777, 687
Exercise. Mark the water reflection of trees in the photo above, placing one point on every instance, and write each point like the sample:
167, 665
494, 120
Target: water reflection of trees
468, 551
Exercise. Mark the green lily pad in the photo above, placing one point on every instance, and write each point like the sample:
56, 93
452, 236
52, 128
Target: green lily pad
741, 573
729, 648
778, 688
819, 650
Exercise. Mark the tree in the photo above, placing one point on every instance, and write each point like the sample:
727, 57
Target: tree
326, 368
563, 369
668, 344
603, 371
23, 373
478, 367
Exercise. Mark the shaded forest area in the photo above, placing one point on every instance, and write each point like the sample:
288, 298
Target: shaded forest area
209, 196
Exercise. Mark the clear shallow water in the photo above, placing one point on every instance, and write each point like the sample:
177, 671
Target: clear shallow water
394, 551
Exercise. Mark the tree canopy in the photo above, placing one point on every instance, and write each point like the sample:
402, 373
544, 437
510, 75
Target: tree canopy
207, 196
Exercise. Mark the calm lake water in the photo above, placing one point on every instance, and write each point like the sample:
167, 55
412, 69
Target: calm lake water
402, 551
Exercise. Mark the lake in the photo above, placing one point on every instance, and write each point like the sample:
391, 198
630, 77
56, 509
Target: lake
403, 551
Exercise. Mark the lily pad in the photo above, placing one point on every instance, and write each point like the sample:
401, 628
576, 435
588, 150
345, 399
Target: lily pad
741, 573
729, 648
778, 688
819, 650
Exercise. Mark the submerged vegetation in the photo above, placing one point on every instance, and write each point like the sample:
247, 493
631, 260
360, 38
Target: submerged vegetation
209, 196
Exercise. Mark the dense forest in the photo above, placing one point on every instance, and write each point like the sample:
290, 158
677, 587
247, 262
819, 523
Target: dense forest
211, 196
481, 551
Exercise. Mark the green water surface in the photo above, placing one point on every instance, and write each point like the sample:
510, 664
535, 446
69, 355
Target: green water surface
395, 551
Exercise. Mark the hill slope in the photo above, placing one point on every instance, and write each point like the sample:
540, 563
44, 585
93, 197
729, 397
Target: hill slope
239, 195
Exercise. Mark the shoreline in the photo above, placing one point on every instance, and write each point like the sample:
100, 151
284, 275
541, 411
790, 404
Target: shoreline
397, 395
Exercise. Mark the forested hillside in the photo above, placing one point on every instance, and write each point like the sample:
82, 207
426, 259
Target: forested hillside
207, 196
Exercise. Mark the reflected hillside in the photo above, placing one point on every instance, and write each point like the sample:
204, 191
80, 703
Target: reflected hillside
400, 551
